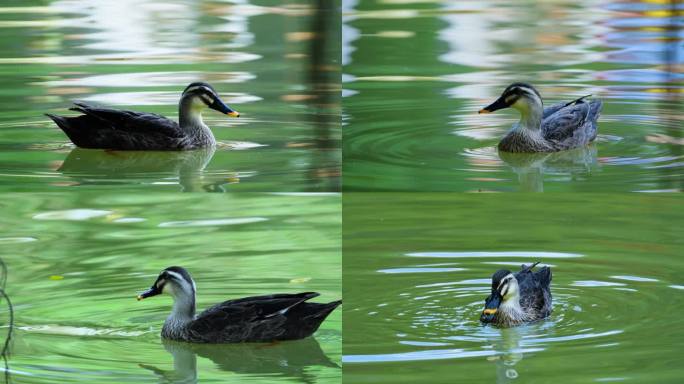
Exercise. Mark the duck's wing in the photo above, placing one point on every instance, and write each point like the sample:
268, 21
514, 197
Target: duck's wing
535, 292
118, 129
260, 318
572, 125
548, 111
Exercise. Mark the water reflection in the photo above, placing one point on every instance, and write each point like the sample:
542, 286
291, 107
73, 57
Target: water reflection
510, 353
289, 359
533, 168
92, 166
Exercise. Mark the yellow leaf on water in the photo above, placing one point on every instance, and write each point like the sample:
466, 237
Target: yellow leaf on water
300, 280
56, 277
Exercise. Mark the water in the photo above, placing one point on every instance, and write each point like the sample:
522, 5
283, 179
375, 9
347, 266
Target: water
418, 268
277, 65
76, 261
416, 73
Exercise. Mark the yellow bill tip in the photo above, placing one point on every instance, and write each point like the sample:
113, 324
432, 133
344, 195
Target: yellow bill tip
481, 111
233, 114
489, 311
139, 297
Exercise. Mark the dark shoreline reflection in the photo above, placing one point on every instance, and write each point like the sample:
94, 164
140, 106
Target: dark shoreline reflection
324, 74
285, 359
93, 166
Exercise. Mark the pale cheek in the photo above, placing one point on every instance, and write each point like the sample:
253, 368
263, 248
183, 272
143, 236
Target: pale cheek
520, 105
198, 104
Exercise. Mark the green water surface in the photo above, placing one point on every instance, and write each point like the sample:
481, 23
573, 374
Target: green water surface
418, 268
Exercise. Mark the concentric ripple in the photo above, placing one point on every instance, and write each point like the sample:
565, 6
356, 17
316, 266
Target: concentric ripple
432, 313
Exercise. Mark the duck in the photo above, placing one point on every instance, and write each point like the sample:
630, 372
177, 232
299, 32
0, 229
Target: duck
257, 319
518, 298
559, 127
113, 129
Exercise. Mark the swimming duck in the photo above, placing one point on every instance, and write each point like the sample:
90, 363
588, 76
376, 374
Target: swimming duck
104, 128
250, 319
518, 298
558, 127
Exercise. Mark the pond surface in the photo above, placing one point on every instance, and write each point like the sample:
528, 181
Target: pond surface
415, 73
76, 261
277, 65
418, 268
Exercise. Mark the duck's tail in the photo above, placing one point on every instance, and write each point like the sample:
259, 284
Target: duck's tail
327, 308
64, 124
527, 268
577, 101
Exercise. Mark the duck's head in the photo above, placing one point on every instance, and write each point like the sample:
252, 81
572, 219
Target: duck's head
175, 281
504, 288
202, 95
520, 96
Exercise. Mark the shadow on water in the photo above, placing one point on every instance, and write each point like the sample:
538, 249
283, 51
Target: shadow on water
286, 359
92, 166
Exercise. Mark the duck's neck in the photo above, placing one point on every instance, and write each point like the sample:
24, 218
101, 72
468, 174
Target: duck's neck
510, 311
190, 120
183, 311
531, 112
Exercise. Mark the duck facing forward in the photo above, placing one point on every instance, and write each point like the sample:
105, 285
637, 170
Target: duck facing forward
104, 128
558, 127
519, 297
250, 319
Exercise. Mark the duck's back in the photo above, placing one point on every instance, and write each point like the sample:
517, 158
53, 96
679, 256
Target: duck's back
535, 290
104, 128
259, 319
571, 125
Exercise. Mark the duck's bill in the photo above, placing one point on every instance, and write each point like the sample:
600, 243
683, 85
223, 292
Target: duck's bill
154, 291
500, 103
491, 306
218, 105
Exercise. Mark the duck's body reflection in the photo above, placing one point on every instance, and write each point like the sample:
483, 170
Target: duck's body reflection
531, 167
88, 166
285, 359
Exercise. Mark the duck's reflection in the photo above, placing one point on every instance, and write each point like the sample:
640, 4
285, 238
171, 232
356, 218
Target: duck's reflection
510, 353
531, 167
288, 359
92, 166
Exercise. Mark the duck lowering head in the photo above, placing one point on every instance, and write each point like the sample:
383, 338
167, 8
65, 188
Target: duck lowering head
519, 297
250, 319
558, 127
105, 128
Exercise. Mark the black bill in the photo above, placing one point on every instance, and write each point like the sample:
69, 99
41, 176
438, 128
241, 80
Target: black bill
491, 306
